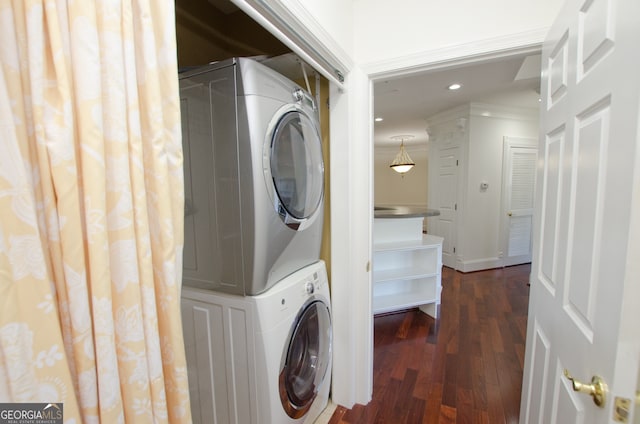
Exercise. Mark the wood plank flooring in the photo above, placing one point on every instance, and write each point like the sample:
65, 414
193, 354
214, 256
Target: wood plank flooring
465, 367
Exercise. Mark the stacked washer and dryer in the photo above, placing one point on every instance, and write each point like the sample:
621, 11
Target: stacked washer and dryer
255, 299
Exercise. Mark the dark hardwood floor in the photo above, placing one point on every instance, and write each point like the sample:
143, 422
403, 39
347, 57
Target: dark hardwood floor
465, 367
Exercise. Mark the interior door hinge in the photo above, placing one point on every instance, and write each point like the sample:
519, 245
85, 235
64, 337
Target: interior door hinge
454, 249
455, 206
456, 162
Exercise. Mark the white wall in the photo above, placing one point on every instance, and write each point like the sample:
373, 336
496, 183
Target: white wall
391, 188
480, 242
336, 17
479, 211
391, 29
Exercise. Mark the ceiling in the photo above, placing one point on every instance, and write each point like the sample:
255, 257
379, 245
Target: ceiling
405, 103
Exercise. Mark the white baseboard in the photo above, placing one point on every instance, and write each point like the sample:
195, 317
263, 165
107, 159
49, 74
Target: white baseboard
480, 264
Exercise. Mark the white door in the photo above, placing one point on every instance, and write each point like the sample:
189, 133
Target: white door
519, 169
584, 311
447, 203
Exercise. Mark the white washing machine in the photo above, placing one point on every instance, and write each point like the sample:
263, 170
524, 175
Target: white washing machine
293, 349
260, 359
254, 177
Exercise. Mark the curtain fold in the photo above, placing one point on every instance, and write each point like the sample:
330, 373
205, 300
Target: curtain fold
91, 210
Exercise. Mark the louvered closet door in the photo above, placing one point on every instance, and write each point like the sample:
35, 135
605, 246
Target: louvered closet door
519, 172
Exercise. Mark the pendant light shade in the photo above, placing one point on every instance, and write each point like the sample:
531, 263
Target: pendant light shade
402, 162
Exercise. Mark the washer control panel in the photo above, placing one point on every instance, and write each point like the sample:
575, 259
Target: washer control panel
309, 287
312, 284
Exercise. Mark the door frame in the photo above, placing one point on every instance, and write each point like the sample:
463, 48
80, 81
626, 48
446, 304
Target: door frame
447, 58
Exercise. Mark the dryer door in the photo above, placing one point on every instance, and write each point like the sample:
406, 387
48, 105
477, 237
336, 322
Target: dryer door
296, 166
305, 359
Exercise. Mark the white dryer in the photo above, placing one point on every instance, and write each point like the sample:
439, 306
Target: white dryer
262, 359
254, 177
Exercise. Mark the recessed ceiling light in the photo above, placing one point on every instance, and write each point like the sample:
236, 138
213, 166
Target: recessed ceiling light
378, 119
454, 86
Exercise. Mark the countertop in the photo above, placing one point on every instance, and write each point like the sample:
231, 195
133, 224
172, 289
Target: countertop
403, 212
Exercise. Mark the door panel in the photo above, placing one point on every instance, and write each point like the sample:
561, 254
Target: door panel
519, 238
539, 381
595, 34
567, 409
589, 169
551, 198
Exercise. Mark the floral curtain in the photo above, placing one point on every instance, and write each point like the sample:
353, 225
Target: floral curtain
91, 210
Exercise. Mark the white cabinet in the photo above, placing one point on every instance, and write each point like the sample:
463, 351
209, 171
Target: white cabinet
407, 266
219, 345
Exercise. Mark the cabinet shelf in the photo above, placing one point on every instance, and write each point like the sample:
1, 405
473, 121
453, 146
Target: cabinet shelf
407, 271
426, 242
397, 302
401, 274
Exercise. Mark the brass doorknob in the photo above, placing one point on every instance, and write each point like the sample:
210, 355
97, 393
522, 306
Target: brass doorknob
509, 213
597, 389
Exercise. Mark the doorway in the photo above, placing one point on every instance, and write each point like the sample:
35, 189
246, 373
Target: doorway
457, 133
463, 132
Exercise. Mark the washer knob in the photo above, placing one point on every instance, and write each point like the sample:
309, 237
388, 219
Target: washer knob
310, 288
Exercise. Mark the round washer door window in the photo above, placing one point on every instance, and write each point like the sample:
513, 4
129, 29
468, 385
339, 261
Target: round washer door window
297, 168
306, 359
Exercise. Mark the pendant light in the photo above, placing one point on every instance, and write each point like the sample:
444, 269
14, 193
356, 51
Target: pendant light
402, 162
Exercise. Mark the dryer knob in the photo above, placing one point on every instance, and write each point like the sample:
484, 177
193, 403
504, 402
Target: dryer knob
310, 288
298, 95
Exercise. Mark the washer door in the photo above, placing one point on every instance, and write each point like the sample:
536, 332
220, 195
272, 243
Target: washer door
295, 166
305, 359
